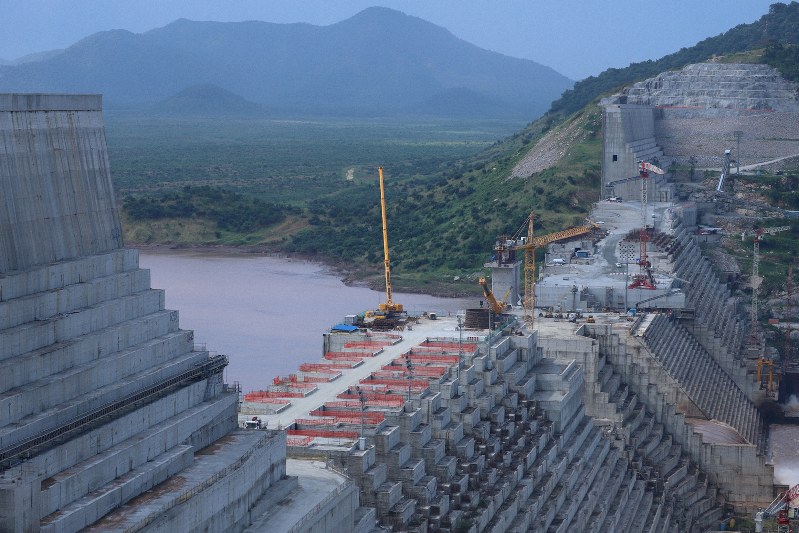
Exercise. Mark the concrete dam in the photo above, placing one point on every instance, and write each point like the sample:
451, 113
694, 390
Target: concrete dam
113, 419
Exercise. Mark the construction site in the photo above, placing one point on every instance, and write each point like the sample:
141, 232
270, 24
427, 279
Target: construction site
613, 383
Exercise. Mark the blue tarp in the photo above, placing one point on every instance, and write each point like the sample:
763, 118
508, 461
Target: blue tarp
344, 327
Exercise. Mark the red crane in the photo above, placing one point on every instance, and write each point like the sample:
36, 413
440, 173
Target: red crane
644, 279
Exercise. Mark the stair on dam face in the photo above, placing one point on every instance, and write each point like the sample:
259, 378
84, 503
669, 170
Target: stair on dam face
90, 508
58, 415
66, 385
717, 395
660, 461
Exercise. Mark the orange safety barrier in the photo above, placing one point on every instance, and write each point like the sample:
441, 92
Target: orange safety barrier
353, 356
326, 433
343, 357
429, 359
320, 379
298, 441
371, 395
450, 345
433, 371
355, 404
324, 367
254, 396
398, 383
367, 344
326, 421
296, 385
335, 421
373, 416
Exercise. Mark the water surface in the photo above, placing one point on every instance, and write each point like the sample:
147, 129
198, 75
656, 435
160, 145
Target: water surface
266, 313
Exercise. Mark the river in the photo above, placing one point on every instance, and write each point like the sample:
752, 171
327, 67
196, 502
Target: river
267, 314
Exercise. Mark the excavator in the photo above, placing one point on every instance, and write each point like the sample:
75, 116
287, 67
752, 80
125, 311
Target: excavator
778, 508
497, 306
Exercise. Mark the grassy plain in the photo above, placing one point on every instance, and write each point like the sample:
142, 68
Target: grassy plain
282, 160
322, 170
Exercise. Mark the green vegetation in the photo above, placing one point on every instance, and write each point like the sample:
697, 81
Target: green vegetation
780, 25
229, 211
785, 58
448, 184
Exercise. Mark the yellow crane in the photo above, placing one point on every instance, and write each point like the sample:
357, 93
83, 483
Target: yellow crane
497, 306
529, 259
389, 306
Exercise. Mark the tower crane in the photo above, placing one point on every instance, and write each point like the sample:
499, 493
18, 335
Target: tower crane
756, 280
529, 246
644, 278
389, 306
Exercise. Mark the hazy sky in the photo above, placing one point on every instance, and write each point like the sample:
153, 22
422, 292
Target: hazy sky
576, 37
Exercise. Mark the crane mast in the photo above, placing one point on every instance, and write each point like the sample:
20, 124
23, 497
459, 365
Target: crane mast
389, 306
529, 259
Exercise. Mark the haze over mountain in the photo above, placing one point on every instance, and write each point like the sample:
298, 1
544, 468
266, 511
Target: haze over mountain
378, 62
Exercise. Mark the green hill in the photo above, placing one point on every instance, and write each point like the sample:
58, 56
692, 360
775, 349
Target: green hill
442, 224
780, 25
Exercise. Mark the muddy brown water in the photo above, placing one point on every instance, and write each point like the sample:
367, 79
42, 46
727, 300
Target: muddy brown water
267, 314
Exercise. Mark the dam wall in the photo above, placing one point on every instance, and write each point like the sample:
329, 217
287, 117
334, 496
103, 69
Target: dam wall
58, 200
698, 109
109, 410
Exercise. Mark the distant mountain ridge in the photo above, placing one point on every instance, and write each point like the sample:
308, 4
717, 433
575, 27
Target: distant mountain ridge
378, 61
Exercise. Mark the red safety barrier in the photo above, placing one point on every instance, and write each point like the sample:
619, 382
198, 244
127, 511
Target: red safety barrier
254, 396
324, 367
449, 345
326, 433
398, 383
348, 355
418, 370
367, 344
335, 421
298, 441
371, 416
371, 395
296, 385
320, 379
356, 404
326, 421
430, 359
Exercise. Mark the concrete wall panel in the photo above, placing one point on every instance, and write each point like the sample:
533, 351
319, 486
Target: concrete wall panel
58, 198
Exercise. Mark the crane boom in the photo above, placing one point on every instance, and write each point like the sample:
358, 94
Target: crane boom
497, 307
389, 306
529, 259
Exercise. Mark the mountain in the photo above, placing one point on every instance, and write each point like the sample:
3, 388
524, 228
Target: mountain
779, 25
206, 100
451, 222
380, 61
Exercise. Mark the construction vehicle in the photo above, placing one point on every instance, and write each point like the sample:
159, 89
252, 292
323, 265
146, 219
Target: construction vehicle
778, 508
389, 306
507, 245
497, 306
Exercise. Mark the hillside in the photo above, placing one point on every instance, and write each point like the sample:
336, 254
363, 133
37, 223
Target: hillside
378, 62
206, 100
443, 221
779, 25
